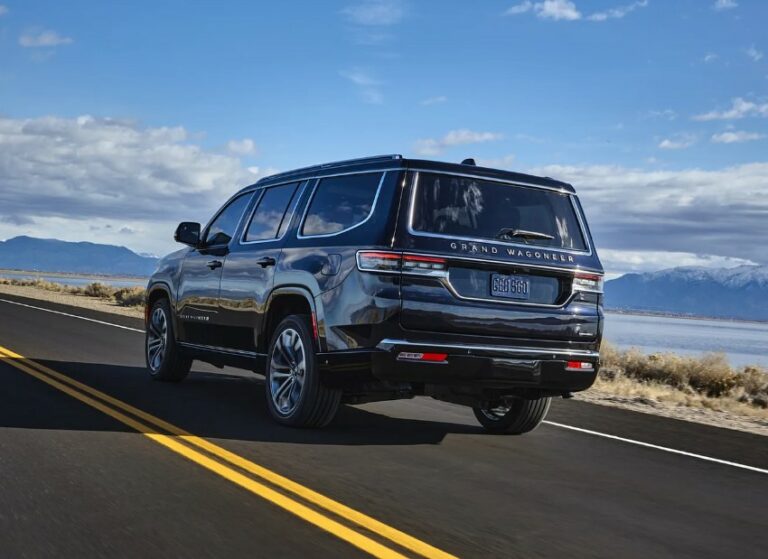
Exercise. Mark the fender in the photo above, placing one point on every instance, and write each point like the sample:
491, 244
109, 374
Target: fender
315, 306
164, 287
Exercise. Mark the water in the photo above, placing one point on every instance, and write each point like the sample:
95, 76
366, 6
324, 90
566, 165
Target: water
744, 343
75, 281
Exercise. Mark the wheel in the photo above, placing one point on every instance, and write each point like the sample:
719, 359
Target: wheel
515, 416
295, 395
165, 361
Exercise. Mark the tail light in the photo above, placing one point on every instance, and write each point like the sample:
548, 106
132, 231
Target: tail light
380, 261
591, 283
579, 366
428, 357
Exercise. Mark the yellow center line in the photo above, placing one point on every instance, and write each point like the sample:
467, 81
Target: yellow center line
64, 383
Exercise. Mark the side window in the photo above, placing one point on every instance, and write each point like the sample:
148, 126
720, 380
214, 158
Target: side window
340, 203
271, 213
222, 229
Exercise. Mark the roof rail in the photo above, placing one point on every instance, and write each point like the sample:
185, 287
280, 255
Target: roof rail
344, 163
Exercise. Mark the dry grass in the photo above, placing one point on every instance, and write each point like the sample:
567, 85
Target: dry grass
707, 381
122, 296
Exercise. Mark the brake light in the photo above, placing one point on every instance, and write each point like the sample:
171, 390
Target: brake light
579, 366
429, 357
382, 261
591, 283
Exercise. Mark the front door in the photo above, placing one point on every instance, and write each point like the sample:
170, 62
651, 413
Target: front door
197, 306
249, 269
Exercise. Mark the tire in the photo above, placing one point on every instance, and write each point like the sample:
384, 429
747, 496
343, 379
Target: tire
516, 417
165, 360
295, 395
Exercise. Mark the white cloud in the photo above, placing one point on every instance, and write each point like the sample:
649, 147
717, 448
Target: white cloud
617, 13
44, 38
740, 108
735, 137
367, 85
710, 57
435, 146
721, 5
434, 100
754, 54
663, 114
375, 12
717, 212
678, 141
566, 10
246, 146
3, 10
61, 175
504, 162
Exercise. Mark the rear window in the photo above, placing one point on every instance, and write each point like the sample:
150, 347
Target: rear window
478, 209
340, 203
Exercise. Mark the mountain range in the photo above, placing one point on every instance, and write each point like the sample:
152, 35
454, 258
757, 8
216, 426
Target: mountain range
52, 255
740, 292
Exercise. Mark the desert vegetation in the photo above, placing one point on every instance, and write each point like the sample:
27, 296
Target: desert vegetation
121, 296
694, 381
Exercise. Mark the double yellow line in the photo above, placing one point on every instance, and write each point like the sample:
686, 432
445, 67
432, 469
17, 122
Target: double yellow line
271, 486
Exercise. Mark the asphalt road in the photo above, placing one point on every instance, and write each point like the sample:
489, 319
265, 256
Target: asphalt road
77, 481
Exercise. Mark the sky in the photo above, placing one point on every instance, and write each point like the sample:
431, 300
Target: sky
118, 120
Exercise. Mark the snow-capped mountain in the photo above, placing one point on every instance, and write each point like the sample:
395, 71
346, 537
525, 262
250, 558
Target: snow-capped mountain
740, 292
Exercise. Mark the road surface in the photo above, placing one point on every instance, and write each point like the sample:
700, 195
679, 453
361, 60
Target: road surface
97, 460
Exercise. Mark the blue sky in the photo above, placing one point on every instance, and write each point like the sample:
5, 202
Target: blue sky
645, 94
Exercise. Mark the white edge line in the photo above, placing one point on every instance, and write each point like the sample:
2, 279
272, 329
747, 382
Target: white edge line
72, 315
553, 423
657, 447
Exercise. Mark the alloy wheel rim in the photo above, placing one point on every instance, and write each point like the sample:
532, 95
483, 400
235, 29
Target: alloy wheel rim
287, 371
157, 339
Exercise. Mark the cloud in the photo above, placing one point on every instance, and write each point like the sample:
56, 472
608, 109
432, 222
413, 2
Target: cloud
246, 146
617, 13
43, 38
434, 100
504, 162
3, 10
754, 54
58, 176
678, 141
368, 86
736, 137
566, 10
740, 108
710, 57
663, 114
722, 5
708, 212
435, 146
375, 12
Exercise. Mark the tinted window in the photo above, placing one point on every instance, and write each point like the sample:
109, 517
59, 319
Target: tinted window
267, 221
465, 207
222, 228
340, 203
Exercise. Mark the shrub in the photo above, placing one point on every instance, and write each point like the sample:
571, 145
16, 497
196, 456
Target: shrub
130, 296
97, 289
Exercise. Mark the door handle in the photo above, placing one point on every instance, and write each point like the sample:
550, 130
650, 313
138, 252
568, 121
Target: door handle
266, 261
213, 264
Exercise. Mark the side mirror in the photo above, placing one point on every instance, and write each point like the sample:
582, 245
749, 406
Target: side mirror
188, 232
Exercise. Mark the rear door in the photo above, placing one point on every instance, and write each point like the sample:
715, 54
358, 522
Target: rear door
511, 253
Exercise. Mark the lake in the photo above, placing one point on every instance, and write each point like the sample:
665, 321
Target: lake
75, 281
745, 343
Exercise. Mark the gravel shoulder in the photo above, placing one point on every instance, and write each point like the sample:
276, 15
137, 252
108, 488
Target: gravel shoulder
80, 301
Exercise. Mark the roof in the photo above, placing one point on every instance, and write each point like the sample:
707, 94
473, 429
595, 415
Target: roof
387, 162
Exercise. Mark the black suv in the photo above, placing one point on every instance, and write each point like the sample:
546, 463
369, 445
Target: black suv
384, 278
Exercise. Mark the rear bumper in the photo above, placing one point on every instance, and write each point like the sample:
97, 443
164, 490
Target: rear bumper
482, 366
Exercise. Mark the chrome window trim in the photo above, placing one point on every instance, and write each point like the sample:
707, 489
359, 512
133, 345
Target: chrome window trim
300, 188
412, 231
388, 344
493, 179
299, 234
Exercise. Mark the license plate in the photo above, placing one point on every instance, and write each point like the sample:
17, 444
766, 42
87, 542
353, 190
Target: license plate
510, 287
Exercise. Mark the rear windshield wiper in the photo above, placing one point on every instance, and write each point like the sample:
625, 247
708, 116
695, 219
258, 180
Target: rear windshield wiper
509, 233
